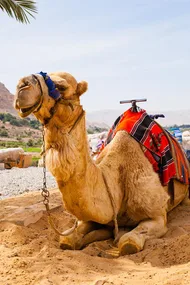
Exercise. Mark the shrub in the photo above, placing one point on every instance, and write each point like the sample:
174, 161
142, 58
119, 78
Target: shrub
19, 138
30, 142
4, 133
35, 124
2, 144
6, 117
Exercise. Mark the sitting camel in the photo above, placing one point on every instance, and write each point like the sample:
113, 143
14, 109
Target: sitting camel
121, 184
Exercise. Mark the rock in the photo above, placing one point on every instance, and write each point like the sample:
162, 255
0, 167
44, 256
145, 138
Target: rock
28, 214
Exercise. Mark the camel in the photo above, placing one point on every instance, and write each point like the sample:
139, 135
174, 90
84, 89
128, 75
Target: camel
121, 183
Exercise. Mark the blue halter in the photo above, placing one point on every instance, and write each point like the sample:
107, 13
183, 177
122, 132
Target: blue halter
53, 91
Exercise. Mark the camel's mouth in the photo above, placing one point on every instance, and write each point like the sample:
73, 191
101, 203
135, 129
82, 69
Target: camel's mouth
26, 108
26, 111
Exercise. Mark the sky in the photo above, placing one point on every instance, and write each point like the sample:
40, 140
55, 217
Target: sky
124, 49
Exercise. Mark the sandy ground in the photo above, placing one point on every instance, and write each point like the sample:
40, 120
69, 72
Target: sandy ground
30, 252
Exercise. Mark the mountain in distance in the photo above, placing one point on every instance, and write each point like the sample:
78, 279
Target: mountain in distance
101, 119
6, 101
108, 117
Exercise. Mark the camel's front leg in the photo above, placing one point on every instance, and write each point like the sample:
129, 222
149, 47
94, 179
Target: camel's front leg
133, 241
85, 233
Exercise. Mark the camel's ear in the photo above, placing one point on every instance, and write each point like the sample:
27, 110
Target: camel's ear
61, 84
81, 87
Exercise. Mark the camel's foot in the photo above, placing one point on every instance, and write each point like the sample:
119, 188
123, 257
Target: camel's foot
71, 242
133, 241
74, 240
64, 244
130, 243
97, 235
84, 236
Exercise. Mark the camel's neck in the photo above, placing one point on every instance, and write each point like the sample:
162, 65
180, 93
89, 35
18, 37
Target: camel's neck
67, 148
78, 177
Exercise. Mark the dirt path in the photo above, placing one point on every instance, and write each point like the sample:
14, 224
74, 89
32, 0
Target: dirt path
30, 252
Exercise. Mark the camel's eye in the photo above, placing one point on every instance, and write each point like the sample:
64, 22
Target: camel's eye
61, 88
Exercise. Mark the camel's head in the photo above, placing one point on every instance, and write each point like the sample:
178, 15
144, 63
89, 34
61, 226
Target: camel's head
38, 93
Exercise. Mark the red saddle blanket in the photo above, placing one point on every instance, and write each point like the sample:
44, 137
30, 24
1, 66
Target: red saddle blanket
161, 149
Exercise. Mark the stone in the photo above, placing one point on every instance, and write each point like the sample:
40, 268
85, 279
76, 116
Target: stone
24, 215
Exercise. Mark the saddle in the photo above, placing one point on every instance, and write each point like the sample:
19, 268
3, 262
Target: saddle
162, 150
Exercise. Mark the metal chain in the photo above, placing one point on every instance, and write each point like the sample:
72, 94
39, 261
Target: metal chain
45, 193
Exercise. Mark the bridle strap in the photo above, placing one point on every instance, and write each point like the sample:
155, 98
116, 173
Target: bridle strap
77, 121
63, 101
41, 98
38, 83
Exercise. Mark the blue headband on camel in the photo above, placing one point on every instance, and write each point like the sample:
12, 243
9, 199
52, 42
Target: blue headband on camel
53, 91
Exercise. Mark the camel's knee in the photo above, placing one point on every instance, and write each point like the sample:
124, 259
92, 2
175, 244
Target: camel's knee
153, 228
86, 227
72, 241
85, 233
134, 241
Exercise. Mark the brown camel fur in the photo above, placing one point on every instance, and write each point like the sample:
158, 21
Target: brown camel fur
121, 172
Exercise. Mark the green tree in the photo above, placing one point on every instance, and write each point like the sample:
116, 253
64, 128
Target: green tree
19, 9
30, 142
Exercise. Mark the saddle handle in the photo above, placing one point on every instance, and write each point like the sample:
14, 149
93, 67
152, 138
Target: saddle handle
133, 102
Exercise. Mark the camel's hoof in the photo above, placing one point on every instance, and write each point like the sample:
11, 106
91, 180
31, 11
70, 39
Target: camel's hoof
66, 243
70, 242
70, 246
66, 246
130, 245
128, 248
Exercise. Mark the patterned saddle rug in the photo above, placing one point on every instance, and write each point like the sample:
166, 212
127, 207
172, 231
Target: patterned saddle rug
161, 149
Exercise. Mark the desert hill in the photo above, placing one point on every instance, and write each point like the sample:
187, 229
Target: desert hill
6, 100
6, 106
